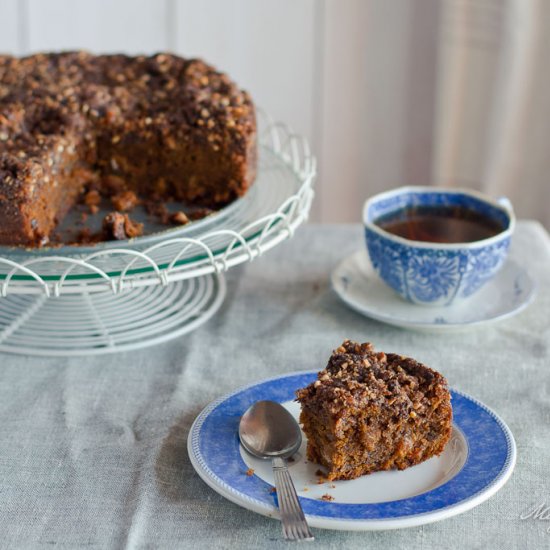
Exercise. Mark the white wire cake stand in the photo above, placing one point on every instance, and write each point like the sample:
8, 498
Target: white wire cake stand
126, 295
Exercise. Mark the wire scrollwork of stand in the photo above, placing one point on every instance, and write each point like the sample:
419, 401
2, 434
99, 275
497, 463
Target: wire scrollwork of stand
121, 296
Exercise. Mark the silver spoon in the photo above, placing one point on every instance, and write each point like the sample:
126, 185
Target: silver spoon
267, 430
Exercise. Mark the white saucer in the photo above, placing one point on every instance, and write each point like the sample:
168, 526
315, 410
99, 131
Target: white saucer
357, 284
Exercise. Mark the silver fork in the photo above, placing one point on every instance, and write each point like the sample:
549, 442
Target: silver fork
293, 520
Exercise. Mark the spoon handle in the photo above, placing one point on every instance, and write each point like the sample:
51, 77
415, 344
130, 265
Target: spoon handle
295, 526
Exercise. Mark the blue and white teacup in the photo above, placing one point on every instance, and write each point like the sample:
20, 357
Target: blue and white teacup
432, 273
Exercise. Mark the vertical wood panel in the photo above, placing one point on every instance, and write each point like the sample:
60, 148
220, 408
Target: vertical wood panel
266, 46
133, 26
471, 54
420, 92
378, 77
363, 75
518, 164
9, 35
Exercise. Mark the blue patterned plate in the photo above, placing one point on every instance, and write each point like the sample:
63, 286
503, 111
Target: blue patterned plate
476, 463
358, 285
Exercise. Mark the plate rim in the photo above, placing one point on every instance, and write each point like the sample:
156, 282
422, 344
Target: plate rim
349, 524
424, 325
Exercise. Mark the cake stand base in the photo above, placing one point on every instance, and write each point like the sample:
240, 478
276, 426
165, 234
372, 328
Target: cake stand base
97, 323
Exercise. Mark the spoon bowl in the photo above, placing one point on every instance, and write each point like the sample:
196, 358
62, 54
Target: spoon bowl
267, 430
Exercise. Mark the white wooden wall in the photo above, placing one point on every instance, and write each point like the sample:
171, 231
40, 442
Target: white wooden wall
357, 77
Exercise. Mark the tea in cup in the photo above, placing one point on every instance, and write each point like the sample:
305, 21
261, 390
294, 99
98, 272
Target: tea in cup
437, 246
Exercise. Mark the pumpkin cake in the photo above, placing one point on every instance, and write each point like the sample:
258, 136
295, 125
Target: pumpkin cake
76, 127
370, 411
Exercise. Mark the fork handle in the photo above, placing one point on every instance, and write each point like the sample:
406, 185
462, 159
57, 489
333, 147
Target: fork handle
295, 526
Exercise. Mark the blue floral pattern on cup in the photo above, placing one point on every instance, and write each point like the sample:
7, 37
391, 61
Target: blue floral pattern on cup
432, 273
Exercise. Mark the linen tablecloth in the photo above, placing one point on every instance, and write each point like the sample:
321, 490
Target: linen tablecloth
93, 449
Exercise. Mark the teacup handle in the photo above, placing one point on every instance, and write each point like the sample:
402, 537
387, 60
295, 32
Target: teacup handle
506, 203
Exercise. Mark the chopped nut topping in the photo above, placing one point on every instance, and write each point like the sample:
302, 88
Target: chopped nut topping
179, 218
170, 142
92, 198
125, 201
119, 226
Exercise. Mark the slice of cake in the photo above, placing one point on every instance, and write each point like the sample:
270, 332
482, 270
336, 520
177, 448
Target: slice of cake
371, 411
